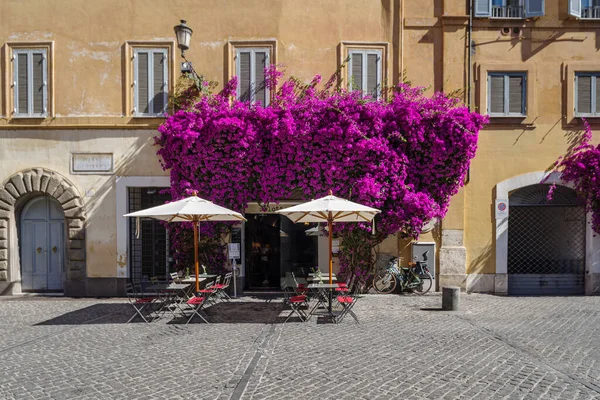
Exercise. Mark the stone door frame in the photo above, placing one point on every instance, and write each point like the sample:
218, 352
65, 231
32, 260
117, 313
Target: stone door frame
592, 260
14, 193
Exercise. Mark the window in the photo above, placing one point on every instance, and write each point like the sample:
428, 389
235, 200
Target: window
364, 72
30, 82
150, 81
150, 251
250, 64
507, 94
585, 9
587, 102
512, 9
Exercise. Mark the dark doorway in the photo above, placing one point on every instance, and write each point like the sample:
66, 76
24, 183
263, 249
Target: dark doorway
149, 254
274, 248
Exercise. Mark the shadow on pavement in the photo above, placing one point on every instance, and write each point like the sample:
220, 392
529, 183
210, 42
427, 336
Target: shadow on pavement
95, 314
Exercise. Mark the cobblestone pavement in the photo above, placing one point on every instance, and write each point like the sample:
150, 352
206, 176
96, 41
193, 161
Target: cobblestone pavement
404, 348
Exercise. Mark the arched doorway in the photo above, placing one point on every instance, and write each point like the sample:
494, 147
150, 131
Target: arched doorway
42, 245
546, 242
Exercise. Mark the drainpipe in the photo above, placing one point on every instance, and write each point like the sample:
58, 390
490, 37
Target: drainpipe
470, 49
469, 36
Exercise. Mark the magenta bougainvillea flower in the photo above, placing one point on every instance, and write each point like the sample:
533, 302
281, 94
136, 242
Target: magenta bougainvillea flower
581, 168
406, 156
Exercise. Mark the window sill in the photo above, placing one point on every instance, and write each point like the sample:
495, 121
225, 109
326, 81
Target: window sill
21, 117
149, 116
522, 122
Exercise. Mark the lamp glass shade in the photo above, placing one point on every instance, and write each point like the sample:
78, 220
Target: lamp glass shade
184, 35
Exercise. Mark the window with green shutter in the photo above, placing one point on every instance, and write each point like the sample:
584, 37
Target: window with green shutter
30, 82
250, 64
507, 94
365, 72
587, 96
150, 82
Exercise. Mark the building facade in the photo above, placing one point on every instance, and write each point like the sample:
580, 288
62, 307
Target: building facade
83, 90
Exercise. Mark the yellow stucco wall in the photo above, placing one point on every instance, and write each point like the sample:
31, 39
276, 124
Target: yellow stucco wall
91, 78
91, 75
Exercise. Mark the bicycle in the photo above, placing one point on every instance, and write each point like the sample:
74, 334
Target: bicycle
416, 277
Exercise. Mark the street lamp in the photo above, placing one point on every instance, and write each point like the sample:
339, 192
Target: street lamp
183, 33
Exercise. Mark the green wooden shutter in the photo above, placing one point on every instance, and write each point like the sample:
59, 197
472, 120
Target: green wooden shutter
158, 82
244, 76
584, 95
142, 83
22, 84
496, 94
38, 83
260, 59
515, 95
372, 73
356, 77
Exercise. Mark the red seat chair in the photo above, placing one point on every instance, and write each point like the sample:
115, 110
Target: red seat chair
139, 303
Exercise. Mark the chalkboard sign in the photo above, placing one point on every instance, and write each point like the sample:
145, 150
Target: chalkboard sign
236, 235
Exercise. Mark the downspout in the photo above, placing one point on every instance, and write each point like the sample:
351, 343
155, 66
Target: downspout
470, 46
470, 50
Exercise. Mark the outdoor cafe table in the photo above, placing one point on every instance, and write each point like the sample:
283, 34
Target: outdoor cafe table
174, 289
323, 278
192, 280
322, 289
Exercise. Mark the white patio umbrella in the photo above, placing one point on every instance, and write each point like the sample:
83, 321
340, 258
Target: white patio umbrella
330, 209
191, 209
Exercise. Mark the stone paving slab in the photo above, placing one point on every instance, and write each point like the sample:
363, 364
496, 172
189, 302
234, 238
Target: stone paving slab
403, 348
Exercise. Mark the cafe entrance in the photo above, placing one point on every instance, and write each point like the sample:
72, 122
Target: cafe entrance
275, 247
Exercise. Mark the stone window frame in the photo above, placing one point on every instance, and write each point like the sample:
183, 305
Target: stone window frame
8, 88
570, 70
481, 91
346, 47
233, 46
128, 74
122, 223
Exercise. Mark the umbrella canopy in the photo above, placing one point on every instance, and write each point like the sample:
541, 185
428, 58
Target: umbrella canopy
331, 209
191, 209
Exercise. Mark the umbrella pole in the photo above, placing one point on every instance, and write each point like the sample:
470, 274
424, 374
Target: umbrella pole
196, 254
330, 226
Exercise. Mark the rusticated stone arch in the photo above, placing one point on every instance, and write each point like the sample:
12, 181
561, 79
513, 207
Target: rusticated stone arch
45, 182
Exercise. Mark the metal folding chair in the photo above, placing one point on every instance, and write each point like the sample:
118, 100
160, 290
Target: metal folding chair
348, 302
195, 304
296, 303
138, 302
221, 287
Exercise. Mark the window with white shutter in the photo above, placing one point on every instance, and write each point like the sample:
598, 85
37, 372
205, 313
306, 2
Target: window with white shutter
587, 95
507, 94
585, 9
509, 9
250, 64
30, 82
365, 72
150, 82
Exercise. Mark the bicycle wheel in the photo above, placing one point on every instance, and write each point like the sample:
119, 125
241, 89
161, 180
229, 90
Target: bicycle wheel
425, 285
384, 282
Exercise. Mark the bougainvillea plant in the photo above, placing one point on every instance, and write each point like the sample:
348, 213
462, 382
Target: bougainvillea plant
581, 168
406, 154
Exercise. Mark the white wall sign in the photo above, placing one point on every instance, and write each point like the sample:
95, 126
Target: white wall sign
91, 163
501, 208
335, 246
234, 250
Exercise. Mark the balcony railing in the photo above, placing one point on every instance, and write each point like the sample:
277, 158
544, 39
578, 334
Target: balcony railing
590, 12
508, 12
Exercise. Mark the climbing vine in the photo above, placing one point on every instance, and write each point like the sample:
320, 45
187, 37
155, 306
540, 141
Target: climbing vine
406, 154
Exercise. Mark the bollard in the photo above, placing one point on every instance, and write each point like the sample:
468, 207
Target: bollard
450, 298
